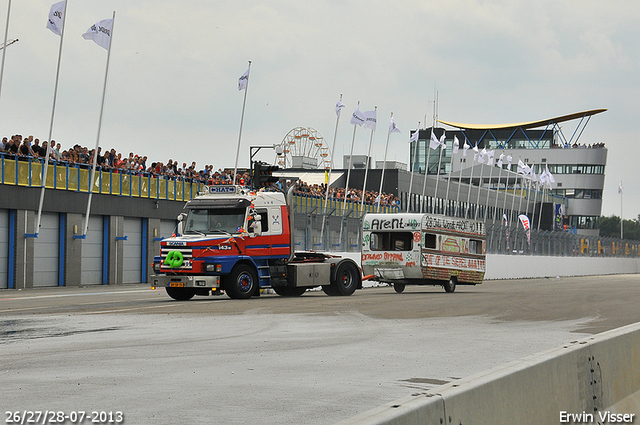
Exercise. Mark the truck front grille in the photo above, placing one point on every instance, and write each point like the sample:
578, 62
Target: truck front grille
187, 258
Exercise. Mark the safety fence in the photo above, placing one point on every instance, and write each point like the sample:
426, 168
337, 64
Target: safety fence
334, 232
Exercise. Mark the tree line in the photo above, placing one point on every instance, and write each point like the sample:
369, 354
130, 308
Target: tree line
610, 227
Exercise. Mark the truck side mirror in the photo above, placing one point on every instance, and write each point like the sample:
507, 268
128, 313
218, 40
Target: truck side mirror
181, 218
255, 226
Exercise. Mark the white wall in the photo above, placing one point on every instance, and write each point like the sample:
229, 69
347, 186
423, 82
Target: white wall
527, 266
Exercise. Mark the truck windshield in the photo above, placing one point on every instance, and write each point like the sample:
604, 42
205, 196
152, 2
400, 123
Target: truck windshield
215, 220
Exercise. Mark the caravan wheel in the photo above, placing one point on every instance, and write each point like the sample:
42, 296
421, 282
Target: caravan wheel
450, 286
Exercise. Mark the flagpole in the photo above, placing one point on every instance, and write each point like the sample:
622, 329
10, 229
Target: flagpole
449, 179
4, 49
495, 207
489, 188
479, 187
331, 165
506, 186
470, 183
415, 157
366, 170
346, 186
621, 219
53, 111
244, 103
384, 165
426, 171
95, 151
460, 178
442, 147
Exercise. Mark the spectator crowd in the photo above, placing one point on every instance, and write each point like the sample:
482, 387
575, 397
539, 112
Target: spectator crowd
30, 148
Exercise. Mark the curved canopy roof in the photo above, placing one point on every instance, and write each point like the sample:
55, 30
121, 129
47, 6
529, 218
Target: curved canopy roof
524, 125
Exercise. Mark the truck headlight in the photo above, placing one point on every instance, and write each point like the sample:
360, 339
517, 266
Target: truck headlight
214, 267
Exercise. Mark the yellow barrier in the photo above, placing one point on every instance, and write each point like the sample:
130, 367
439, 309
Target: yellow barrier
68, 177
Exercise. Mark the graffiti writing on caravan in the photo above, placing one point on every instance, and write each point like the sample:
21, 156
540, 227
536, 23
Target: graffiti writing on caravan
459, 225
382, 224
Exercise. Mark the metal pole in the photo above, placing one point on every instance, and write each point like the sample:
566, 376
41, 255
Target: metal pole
415, 156
244, 102
331, 165
53, 111
384, 166
95, 152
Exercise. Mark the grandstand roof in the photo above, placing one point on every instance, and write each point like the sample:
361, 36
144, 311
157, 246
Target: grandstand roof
524, 125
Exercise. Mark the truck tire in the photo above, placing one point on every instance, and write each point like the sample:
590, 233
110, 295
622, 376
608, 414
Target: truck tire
330, 290
242, 282
287, 291
347, 279
450, 286
398, 287
180, 294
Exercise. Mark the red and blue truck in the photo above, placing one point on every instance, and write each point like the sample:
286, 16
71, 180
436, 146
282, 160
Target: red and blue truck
239, 241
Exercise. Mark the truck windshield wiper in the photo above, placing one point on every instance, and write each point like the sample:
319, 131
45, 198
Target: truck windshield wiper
194, 231
224, 232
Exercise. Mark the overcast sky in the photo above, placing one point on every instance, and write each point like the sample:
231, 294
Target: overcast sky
173, 80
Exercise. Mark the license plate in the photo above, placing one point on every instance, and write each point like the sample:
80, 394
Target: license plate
176, 284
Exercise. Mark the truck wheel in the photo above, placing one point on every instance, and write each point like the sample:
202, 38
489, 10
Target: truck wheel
180, 294
398, 287
330, 290
450, 286
242, 282
347, 279
286, 291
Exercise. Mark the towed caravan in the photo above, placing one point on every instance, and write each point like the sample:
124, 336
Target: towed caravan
423, 249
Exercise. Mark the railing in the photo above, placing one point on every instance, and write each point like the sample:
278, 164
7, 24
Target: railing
310, 204
27, 171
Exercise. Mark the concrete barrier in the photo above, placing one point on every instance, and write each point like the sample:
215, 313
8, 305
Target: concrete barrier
588, 381
527, 266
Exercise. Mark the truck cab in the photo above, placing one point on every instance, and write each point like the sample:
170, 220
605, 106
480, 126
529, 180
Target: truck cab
238, 240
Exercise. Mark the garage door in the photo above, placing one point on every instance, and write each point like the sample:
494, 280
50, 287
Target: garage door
132, 262
91, 262
4, 248
167, 227
46, 251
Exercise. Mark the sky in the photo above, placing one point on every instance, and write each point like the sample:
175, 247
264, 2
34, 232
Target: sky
172, 88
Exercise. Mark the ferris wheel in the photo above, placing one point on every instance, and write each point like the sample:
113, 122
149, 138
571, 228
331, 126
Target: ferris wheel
304, 147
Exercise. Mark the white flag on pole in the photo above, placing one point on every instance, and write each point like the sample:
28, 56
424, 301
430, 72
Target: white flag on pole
521, 167
100, 33
456, 144
358, 118
551, 178
339, 106
620, 188
393, 128
414, 136
475, 152
481, 156
434, 143
500, 158
443, 142
243, 80
490, 155
509, 159
370, 120
56, 16
466, 148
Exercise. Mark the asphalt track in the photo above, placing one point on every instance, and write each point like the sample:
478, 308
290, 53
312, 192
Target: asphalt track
272, 360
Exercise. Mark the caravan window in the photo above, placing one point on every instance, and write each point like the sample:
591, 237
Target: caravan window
475, 246
391, 241
430, 241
